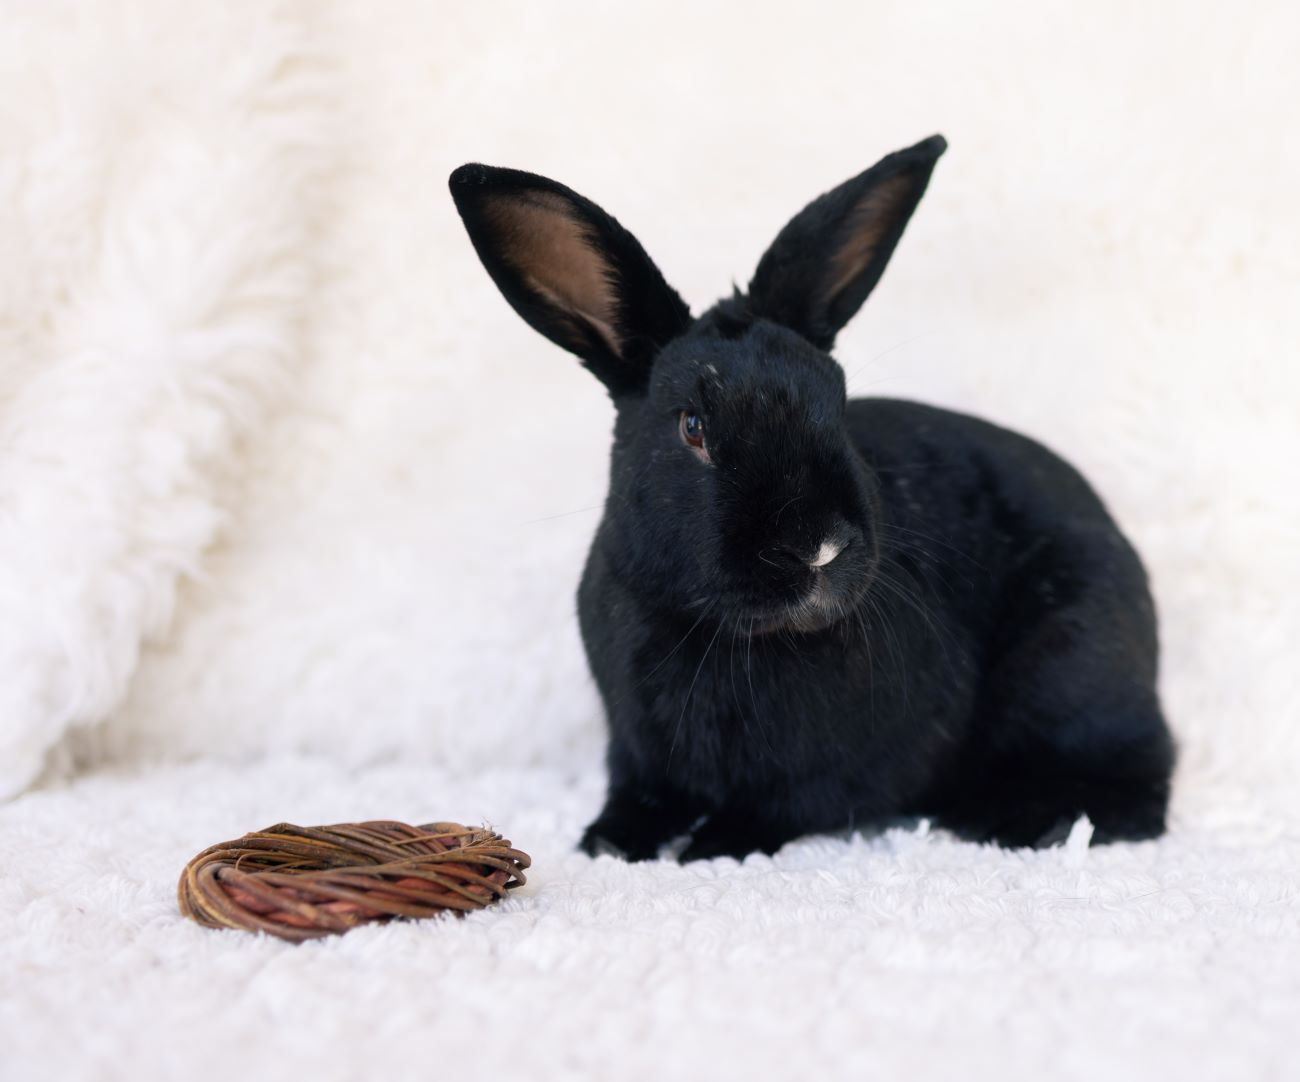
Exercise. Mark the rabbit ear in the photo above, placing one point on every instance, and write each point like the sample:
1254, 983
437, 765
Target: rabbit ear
822, 265
571, 271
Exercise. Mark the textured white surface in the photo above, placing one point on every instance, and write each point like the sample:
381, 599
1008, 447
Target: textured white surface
152, 280
902, 956
281, 476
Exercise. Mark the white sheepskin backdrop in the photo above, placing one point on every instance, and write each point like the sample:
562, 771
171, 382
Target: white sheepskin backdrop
293, 507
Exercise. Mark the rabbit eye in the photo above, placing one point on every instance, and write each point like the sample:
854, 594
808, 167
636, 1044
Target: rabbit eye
692, 428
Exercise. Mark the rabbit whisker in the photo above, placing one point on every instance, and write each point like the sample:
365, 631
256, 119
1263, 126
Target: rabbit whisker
689, 692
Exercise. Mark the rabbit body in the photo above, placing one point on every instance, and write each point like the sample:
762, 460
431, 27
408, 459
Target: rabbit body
1000, 678
806, 613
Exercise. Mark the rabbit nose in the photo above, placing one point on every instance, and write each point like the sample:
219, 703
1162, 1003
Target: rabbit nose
828, 551
835, 542
786, 557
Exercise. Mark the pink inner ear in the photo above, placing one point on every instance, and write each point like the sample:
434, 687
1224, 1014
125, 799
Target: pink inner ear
549, 249
867, 227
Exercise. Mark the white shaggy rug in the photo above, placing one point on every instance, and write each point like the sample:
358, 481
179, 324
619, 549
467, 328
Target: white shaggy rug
292, 509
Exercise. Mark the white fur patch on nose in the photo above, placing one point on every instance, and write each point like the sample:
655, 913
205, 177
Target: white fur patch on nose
826, 553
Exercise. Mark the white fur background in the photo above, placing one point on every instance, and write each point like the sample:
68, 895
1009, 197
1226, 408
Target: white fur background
292, 508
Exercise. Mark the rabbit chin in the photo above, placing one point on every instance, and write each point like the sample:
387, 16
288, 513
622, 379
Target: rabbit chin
821, 607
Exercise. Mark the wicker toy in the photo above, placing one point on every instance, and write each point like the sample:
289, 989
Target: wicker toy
306, 882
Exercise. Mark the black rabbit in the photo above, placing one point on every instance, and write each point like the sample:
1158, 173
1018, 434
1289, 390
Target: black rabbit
803, 612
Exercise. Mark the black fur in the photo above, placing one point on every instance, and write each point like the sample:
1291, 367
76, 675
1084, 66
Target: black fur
981, 650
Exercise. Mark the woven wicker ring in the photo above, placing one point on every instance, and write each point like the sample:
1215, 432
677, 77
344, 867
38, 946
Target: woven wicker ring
306, 882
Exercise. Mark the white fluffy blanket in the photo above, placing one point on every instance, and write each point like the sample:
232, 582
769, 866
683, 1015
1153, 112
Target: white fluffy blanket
292, 508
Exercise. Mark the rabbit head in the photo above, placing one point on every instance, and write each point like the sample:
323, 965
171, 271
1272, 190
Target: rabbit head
735, 488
